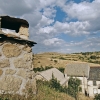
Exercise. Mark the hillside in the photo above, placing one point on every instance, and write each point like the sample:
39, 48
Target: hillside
60, 60
47, 93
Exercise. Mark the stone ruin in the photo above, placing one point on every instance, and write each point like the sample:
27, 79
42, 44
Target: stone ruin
16, 57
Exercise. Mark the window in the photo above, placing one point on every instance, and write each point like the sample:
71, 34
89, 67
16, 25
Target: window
94, 83
95, 91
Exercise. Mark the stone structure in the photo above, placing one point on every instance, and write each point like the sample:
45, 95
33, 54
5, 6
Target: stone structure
15, 57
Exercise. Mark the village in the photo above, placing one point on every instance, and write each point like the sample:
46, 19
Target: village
16, 68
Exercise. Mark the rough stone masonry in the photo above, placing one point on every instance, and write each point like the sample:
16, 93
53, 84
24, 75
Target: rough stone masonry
16, 57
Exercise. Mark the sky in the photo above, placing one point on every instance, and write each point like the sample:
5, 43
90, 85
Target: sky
65, 26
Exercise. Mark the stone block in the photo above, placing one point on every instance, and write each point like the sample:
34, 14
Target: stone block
31, 87
22, 73
10, 83
22, 63
30, 74
24, 37
11, 50
10, 72
23, 30
28, 57
4, 63
27, 49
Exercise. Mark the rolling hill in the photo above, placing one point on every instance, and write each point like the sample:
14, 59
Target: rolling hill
55, 59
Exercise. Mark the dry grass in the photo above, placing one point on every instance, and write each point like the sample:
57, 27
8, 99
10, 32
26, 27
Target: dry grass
82, 97
45, 93
48, 59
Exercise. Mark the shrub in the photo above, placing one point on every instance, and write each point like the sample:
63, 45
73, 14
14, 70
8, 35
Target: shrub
55, 61
62, 58
38, 69
73, 87
48, 67
93, 57
61, 69
55, 84
41, 68
97, 97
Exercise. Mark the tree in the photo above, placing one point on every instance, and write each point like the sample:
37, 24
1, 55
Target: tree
54, 83
73, 87
93, 57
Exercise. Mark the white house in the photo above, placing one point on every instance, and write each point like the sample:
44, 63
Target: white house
80, 71
47, 75
94, 81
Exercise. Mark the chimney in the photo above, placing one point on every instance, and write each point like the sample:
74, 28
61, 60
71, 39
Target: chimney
23, 32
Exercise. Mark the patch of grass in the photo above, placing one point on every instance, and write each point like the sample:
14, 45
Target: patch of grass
62, 58
49, 93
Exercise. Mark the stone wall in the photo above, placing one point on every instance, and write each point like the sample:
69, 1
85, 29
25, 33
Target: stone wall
23, 31
15, 67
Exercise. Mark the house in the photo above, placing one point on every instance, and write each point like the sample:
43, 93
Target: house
94, 81
15, 56
47, 75
80, 71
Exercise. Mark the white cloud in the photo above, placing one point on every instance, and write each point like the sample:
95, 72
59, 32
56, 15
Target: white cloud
53, 42
33, 18
45, 21
83, 11
82, 19
72, 28
49, 12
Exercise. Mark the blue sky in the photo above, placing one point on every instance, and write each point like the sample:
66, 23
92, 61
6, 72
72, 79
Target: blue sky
65, 26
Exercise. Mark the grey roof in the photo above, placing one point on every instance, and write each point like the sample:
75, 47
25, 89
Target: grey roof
57, 74
94, 73
77, 69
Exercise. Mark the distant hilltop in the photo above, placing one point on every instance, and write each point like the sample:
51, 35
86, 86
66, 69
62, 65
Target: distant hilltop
56, 59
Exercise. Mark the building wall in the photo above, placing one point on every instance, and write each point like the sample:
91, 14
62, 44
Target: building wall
93, 89
15, 67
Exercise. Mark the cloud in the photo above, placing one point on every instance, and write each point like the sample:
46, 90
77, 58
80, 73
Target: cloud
82, 19
85, 11
49, 12
53, 42
33, 18
45, 21
16, 8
